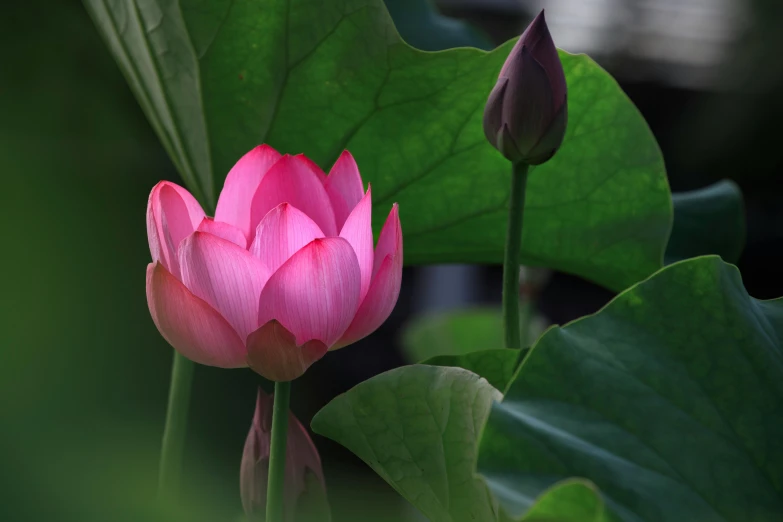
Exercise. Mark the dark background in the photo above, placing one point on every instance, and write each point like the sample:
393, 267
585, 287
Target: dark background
84, 373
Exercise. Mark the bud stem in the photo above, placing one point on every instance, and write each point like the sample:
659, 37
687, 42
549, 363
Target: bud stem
176, 427
512, 258
276, 479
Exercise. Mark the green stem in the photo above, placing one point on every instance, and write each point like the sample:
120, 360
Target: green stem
512, 257
176, 426
276, 479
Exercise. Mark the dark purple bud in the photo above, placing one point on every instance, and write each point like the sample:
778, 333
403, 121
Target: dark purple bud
526, 113
305, 489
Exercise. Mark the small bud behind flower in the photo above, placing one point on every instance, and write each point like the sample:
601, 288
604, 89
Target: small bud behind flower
305, 489
526, 113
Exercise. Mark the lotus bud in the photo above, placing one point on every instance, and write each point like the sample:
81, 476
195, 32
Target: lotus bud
526, 113
304, 486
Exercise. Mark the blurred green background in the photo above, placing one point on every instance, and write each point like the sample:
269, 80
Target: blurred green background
84, 373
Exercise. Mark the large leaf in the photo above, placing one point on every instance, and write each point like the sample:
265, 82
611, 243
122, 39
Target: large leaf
417, 427
710, 220
670, 400
217, 77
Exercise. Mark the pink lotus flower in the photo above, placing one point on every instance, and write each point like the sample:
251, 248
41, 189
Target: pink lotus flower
283, 273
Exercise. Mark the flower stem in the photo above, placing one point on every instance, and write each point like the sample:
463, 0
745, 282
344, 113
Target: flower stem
276, 479
176, 426
512, 257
